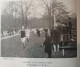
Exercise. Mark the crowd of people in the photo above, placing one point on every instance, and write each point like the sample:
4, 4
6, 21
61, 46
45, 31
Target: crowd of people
52, 40
53, 37
7, 33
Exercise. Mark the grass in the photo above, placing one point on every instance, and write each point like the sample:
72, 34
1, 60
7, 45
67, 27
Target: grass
12, 47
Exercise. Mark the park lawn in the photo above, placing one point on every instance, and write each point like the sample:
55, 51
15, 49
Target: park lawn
12, 47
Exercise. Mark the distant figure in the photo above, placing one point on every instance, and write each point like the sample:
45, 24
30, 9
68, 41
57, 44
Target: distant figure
41, 30
55, 38
33, 30
46, 32
14, 32
38, 32
70, 27
23, 36
28, 34
5, 33
1, 34
48, 45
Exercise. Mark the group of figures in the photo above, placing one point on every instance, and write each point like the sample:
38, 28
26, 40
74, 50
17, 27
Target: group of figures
25, 34
53, 38
9, 32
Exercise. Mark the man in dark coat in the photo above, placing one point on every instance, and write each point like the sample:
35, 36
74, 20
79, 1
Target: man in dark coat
48, 45
56, 38
38, 32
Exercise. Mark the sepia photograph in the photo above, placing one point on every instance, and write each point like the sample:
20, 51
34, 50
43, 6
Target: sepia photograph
39, 29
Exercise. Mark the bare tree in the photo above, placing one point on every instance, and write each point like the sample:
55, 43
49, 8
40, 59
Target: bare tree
48, 8
54, 10
19, 9
24, 7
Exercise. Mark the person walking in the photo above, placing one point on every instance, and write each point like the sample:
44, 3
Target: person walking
55, 38
38, 32
28, 34
48, 45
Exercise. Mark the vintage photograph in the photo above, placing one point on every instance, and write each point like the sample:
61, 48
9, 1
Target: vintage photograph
39, 29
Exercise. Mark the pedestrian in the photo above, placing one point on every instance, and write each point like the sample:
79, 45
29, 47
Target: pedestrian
38, 32
56, 39
48, 45
28, 34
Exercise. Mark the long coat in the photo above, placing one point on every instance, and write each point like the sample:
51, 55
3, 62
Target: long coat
56, 36
48, 45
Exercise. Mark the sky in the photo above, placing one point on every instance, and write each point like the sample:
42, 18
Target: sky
70, 4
